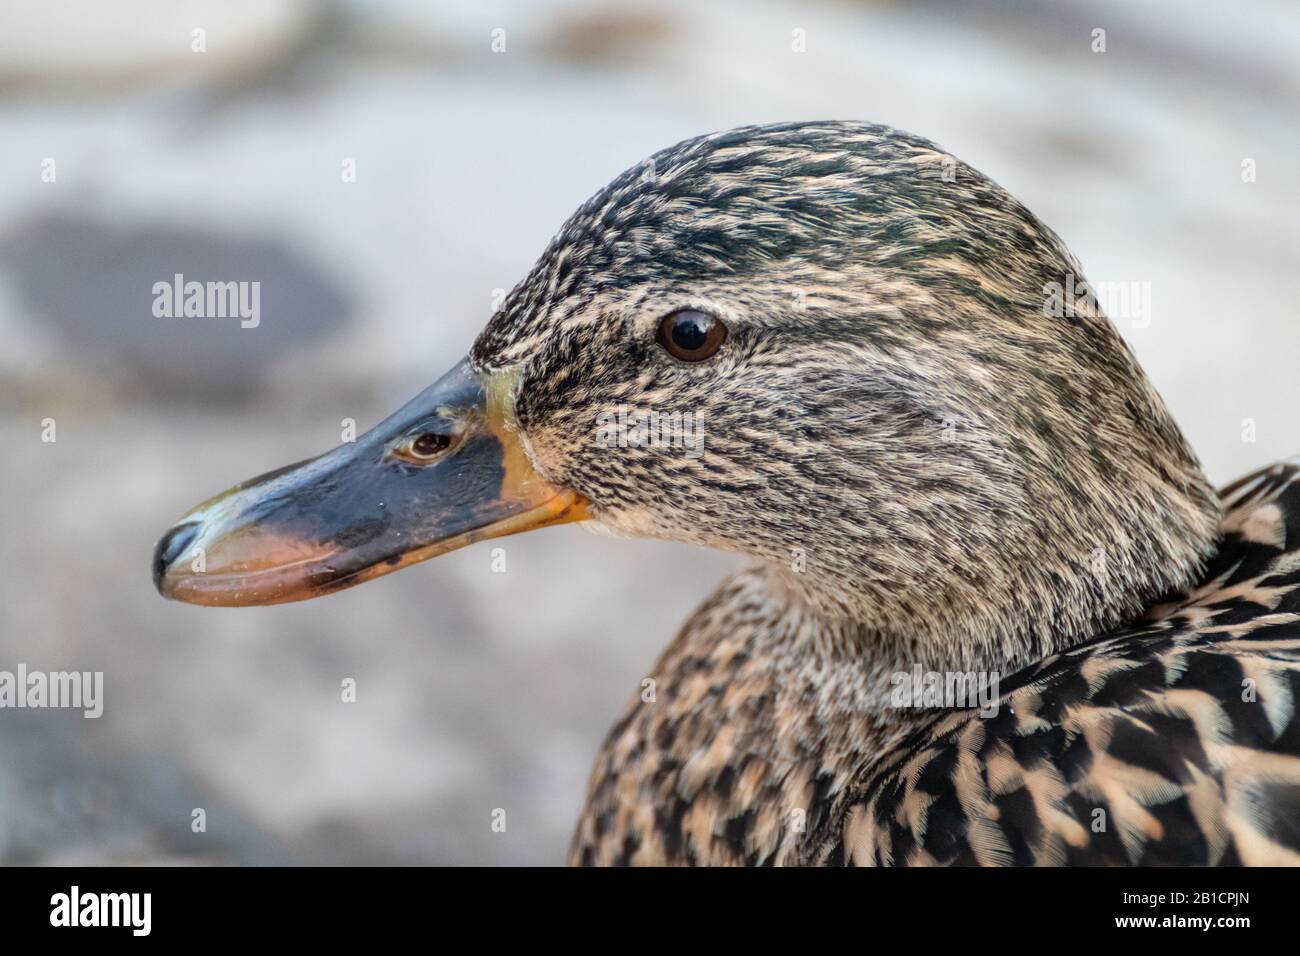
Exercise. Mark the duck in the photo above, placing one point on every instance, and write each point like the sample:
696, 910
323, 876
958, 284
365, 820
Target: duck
993, 611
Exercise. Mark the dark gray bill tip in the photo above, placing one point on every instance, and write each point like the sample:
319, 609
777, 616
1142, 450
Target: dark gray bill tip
169, 547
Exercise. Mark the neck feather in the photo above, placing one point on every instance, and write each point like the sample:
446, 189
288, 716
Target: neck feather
1065, 584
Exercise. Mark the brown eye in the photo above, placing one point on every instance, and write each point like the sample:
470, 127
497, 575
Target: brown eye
426, 446
690, 335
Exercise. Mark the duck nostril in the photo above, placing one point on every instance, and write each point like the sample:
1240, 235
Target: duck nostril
430, 443
170, 546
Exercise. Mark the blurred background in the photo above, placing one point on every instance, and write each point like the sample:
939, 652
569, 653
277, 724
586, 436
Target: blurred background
127, 155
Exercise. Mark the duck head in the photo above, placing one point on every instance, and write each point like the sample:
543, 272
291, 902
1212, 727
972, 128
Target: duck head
829, 346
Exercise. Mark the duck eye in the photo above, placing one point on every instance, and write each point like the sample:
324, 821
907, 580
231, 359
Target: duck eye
690, 335
425, 446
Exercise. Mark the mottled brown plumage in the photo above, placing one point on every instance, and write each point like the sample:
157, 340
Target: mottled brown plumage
1172, 742
932, 471
950, 479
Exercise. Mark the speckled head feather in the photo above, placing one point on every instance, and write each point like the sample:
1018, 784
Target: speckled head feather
895, 425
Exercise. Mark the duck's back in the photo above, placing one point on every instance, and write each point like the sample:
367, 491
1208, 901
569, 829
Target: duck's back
1175, 742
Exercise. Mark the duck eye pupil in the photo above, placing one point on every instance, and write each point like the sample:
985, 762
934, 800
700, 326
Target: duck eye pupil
429, 444
691, 335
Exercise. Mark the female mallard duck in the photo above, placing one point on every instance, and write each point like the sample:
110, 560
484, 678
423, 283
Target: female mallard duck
936, 476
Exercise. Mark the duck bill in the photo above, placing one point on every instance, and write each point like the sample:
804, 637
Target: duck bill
368, 507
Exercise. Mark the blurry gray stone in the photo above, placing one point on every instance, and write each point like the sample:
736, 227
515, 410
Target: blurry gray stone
91, 283
65, 797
